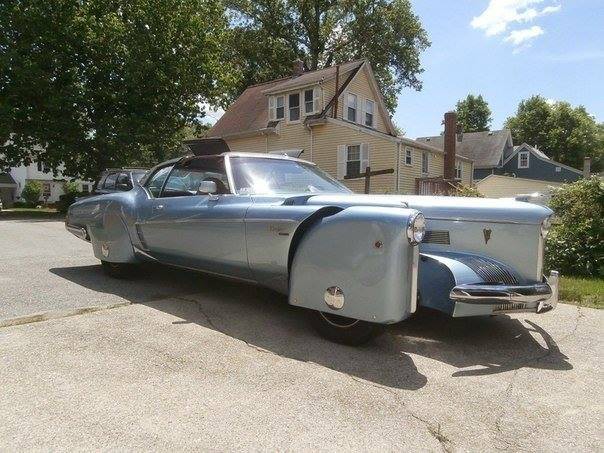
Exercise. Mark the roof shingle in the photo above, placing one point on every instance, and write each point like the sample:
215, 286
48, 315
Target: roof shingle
484, 148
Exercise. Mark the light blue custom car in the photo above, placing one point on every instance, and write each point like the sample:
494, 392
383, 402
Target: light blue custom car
357, 261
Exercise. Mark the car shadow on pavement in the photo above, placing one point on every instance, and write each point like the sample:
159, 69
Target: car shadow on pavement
263, 320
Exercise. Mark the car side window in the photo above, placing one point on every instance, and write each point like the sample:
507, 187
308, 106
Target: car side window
156, 181
188, 175
110, 181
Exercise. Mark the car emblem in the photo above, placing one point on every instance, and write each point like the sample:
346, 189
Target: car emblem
487, 235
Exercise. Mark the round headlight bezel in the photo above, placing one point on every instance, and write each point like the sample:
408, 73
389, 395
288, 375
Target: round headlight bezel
545, 226
416, 228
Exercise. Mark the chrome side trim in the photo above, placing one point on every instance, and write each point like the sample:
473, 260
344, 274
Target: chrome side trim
414, 274
490, 221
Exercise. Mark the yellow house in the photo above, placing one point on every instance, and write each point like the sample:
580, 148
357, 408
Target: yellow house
334, 117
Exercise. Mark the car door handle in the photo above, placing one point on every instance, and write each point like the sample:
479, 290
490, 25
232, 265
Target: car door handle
159, 207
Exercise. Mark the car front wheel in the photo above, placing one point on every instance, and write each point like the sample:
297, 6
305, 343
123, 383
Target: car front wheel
118, 270
340, 329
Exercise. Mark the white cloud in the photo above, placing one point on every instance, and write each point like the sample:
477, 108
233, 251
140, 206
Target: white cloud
517, 37
499, 14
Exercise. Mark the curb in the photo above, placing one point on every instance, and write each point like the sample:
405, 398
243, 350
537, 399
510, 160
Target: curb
57, 314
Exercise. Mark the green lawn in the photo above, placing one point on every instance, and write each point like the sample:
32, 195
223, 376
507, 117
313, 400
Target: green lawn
586, 292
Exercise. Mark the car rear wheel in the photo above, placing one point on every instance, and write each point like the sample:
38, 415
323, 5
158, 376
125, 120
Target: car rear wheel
340, 329
118, 270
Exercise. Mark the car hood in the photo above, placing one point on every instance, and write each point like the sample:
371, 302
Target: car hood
434, 207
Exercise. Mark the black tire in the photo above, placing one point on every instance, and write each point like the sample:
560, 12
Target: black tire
118, 270
339, 329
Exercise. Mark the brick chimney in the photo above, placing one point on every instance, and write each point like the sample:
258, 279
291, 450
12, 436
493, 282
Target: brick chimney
297, 67
450, 139
587, 167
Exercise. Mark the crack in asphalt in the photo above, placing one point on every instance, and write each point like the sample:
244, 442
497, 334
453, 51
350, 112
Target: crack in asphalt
434, 430
551, 349
213, 325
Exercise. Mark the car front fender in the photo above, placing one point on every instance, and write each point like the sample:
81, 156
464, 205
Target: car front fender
357, 263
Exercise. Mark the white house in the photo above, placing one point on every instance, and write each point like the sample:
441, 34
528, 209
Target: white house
13, 181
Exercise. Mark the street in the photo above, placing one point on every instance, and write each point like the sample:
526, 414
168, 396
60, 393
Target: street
176, 360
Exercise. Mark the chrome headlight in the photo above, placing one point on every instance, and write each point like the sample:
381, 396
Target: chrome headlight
545, 226
416, 228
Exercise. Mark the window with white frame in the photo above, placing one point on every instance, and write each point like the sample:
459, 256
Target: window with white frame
280, 107
369, 112
294, 106
276, 107
351, 107
425, 163
309, 101
408, 156
458, 170
353, 159
523, 159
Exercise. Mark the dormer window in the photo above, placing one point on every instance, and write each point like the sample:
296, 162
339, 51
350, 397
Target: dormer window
523, 159
351, 107
369, 112
280, 108
276, 107
294, 106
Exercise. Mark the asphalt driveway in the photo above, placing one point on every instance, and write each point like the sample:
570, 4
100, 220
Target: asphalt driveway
187, 361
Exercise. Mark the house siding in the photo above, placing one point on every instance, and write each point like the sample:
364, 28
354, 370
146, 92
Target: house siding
497, 186
255, 144
408, 174
362, 88
382, 155
538, 169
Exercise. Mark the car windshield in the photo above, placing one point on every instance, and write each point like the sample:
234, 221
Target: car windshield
256, 175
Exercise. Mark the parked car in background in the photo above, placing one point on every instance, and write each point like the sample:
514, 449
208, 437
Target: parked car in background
355, 261
118, 180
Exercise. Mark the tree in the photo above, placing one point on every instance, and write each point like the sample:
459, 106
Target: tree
268, 35
99, 83
32, 191
474, 114
564, 133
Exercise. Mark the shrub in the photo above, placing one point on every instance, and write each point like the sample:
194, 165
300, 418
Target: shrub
575, 244
70, 187
467, 191
69, 197
31, 192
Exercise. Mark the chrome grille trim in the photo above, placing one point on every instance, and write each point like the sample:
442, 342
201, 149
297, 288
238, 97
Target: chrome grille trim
437, 237
489, 271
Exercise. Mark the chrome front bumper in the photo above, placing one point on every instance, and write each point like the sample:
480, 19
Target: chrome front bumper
77, 231
485, 299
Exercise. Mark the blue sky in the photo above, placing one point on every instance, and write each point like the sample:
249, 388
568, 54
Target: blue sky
506, 50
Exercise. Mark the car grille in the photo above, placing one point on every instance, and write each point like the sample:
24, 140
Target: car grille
437, 237
489, 271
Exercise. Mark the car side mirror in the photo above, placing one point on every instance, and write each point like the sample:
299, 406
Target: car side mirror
207, 188
123, 187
